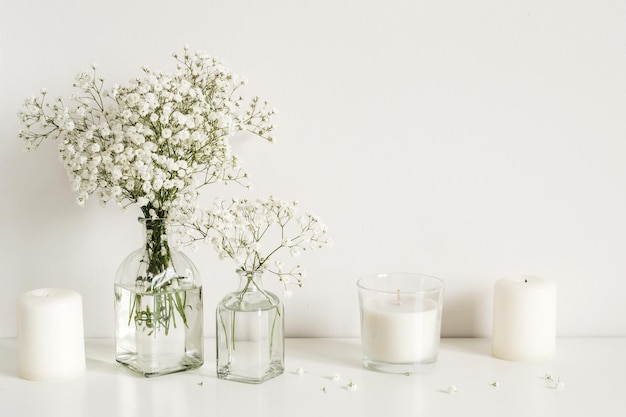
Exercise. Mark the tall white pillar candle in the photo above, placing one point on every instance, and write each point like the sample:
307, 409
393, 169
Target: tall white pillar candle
51, 344
524, 319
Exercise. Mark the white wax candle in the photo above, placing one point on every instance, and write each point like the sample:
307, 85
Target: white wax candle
404, 332
51, 345
524, 319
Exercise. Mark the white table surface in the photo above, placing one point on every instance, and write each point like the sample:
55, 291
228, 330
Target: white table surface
593, 372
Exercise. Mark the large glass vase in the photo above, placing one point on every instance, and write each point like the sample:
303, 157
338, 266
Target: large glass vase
158, 307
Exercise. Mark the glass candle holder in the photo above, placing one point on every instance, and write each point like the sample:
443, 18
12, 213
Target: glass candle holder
400, 321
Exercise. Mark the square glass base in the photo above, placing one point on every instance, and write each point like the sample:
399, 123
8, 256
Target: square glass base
251, 377
400, 368
150, 371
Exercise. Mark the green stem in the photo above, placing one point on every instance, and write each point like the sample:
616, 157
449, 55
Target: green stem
165, 303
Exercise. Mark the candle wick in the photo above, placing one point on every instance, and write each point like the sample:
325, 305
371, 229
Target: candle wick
525, 280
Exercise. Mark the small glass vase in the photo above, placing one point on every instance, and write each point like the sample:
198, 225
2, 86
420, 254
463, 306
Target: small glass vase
158, 307
250, 333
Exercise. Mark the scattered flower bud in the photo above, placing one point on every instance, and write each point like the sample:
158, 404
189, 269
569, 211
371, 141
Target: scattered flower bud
559, 384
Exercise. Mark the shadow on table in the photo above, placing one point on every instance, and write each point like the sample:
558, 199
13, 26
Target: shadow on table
341, 352
100, 356
8, 361
471, 345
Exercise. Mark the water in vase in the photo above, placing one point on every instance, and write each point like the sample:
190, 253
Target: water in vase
250, 344
159, 333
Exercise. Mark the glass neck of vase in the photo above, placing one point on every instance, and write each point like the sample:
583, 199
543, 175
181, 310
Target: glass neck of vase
155, 231
156, 245
250, 281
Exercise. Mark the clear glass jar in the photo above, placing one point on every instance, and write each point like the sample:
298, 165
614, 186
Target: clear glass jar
400, 321
158, 307
250, 333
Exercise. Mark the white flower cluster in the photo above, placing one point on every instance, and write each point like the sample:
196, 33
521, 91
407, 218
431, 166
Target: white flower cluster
253, 233
153, 142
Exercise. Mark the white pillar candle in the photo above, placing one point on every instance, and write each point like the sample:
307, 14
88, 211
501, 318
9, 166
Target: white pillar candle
524, 319
51, 345
402, 331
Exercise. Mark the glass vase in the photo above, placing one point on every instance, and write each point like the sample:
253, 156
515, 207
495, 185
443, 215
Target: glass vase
250, 333
158, 307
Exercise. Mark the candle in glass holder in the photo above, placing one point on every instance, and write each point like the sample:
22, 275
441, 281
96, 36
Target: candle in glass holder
400, 321
402, 331
524, 319
51, 344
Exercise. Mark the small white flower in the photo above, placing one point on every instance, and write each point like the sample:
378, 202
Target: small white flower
451, 389
82, 198
555, 383
336, 376
300, 371
352, 386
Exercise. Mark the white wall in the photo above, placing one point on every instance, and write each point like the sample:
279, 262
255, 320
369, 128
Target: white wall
463, 139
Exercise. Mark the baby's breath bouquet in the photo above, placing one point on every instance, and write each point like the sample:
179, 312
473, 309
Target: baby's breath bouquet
153, 143
254, 234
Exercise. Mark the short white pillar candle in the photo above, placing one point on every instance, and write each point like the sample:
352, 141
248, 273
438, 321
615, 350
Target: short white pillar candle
51, 344
524, 319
